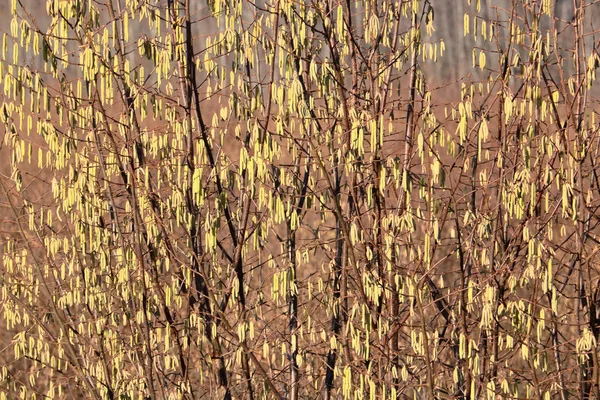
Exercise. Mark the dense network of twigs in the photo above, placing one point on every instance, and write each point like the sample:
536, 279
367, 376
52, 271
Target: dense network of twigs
276, 200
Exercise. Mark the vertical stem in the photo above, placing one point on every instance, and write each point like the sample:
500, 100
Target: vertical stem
189, 97
579, 101
293, 313
408, 140
335, 318
293, 295
428, 363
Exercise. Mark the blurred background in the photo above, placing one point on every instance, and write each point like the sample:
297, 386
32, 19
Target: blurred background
456, 62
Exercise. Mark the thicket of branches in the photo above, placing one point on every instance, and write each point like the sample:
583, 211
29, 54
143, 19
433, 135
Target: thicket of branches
292, 207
